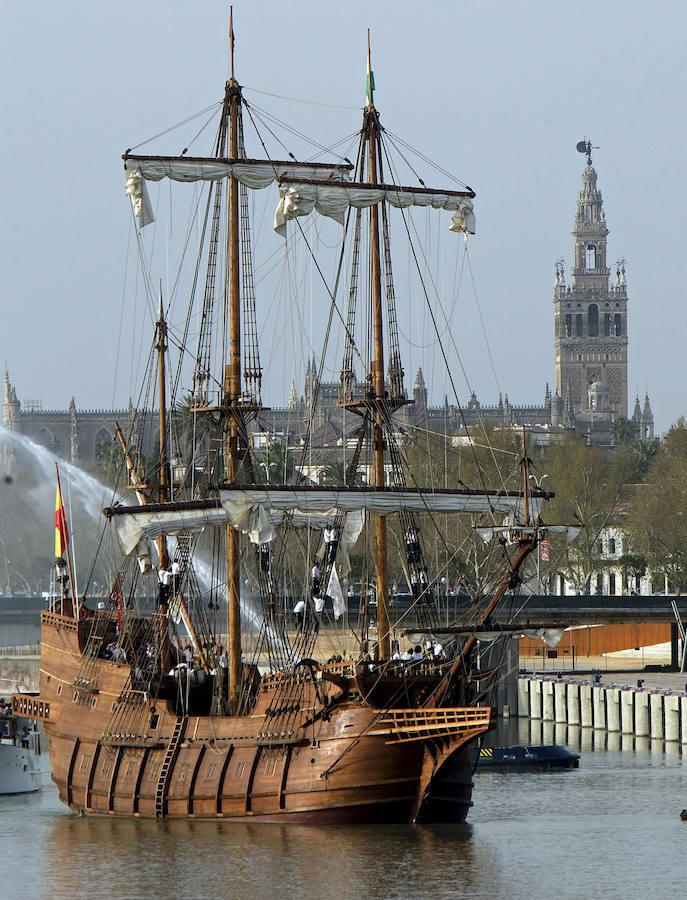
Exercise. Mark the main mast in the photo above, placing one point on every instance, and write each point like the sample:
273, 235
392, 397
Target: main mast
377, 368
163, 477
232, 389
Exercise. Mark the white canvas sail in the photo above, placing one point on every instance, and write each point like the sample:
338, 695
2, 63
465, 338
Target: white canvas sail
335, 592
253, 173
256, 512
301, 197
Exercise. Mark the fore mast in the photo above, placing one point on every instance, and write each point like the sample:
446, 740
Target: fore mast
232, 390
371, 137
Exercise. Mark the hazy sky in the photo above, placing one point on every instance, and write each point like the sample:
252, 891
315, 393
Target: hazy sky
497, 92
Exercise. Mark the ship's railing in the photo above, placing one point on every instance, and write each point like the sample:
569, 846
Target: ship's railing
29, 707
273, 680
58, 621
404, 725
345, 668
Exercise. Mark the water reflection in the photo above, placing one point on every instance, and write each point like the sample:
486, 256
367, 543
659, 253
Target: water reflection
199, 859
556, 834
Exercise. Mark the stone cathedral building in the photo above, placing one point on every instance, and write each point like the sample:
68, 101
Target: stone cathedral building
590, 385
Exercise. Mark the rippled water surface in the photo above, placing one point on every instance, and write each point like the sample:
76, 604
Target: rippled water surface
608, 829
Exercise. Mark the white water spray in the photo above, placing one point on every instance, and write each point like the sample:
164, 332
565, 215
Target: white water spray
88, 496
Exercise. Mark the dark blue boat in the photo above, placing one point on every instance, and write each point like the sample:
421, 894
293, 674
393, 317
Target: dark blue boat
553, 756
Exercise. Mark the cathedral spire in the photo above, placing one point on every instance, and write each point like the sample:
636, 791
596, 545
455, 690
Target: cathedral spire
293, 396
647, 419
637, 412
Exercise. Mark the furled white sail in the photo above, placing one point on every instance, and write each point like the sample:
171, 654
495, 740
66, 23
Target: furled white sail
258, 522
300, 197
253, 173
257, 511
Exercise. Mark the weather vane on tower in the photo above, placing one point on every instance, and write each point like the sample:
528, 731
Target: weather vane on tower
585, 146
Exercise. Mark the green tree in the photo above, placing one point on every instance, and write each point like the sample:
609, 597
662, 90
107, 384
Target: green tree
275, 464
657, 521
623, 431
644, 451
587, 485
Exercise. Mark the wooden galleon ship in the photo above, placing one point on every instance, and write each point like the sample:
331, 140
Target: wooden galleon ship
182, 696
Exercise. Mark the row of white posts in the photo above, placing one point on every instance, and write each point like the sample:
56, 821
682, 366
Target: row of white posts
661, 715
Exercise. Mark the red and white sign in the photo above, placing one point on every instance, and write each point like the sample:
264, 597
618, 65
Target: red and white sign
545, 551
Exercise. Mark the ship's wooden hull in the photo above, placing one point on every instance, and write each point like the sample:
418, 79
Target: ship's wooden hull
303, 768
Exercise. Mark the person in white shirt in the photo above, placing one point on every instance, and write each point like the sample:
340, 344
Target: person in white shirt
176, 576
414, 583
316, 574
331, 543
319, 604
299, 610
165, 579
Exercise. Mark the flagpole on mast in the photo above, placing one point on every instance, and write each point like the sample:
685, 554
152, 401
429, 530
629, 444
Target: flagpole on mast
70, 569
72, 544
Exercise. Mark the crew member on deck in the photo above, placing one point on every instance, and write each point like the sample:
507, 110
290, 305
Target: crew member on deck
331, 542
176, 577
299, 610
316, 574
165, 579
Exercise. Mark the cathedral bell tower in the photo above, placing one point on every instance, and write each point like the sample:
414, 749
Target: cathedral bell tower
591, 313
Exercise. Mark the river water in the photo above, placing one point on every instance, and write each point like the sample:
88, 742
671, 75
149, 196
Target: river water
608, 829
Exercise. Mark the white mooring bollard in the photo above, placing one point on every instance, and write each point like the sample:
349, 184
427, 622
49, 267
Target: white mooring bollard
560, 694
547, 701
656, 710
627, 708
671, 711
573, 697
586, 715
599, 706
535, 698
641, 713
613, 709
523, 696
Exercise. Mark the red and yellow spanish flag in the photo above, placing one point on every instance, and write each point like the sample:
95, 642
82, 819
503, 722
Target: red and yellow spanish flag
61, 533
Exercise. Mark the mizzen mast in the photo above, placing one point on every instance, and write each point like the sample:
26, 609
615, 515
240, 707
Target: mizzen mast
371, 128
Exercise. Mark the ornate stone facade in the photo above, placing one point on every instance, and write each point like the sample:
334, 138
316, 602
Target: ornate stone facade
73, 434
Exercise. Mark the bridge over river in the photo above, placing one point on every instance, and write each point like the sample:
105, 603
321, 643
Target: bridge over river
20, 616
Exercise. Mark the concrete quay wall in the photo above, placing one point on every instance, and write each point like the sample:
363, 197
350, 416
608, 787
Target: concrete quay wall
659, 714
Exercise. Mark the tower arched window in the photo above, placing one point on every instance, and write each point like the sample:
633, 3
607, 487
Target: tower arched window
590, 256
618, 325
578, 325
593, 320
607, 325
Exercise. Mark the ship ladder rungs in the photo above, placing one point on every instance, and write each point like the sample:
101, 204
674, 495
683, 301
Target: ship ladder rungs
166, 767
404, 725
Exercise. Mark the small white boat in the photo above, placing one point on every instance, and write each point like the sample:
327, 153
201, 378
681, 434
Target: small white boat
20, 751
